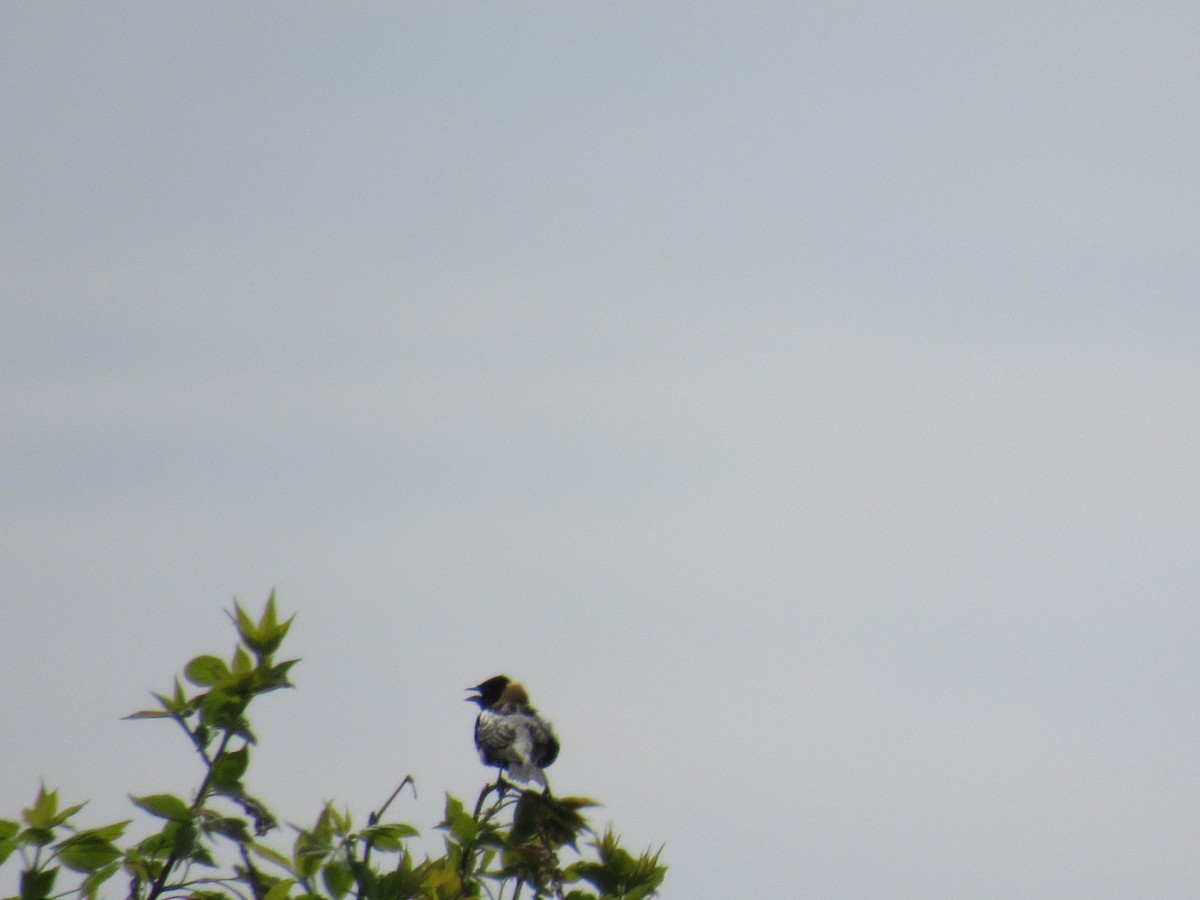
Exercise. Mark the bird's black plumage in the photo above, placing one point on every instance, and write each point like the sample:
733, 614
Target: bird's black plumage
490, 691
509, 733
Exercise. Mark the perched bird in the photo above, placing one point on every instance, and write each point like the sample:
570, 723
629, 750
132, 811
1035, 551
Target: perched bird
509, 734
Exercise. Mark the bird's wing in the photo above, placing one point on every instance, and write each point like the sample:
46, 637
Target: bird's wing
522, 745
545, 744
495, 734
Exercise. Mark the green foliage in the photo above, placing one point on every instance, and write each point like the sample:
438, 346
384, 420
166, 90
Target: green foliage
48, 842
213, 847
617, 873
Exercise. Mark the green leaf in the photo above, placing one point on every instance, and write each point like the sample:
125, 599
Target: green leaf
389, 838
229, 767
38, 837
180, 702
241, 662
165, 806
206, 671
269, 620
618, 873
110, 832
223, 712
280, 890
44, 812
337, 876
8, 835
423, 881
458, 821
264, 637
274, 677
552, 820
271, 855
176, 706
270, 628
246, 628
184, 843
86, 851
36, 884
151, 847
92, 883
310, 850
436, 878
65, 814
228, 826
330, 822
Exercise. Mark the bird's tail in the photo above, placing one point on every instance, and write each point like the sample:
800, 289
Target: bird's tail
527, 772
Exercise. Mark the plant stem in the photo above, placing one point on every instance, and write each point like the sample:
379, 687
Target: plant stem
160, 882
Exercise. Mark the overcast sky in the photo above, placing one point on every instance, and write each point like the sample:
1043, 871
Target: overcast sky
802, 400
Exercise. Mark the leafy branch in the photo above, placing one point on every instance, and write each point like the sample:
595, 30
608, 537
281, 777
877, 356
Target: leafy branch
214, 846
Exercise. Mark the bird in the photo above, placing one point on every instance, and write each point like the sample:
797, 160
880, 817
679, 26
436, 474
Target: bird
509, 733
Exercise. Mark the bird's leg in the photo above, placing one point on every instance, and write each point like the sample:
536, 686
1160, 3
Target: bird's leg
501, 786
498, 789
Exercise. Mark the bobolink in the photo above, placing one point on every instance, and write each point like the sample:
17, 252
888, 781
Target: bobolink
509, 734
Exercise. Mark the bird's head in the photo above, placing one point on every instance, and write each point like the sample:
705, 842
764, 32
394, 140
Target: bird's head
514, 695
488, 692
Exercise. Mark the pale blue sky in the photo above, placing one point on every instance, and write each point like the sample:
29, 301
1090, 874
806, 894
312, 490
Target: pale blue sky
801, 399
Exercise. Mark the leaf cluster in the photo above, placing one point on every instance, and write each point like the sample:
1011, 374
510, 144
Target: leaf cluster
213, 844
49, 842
